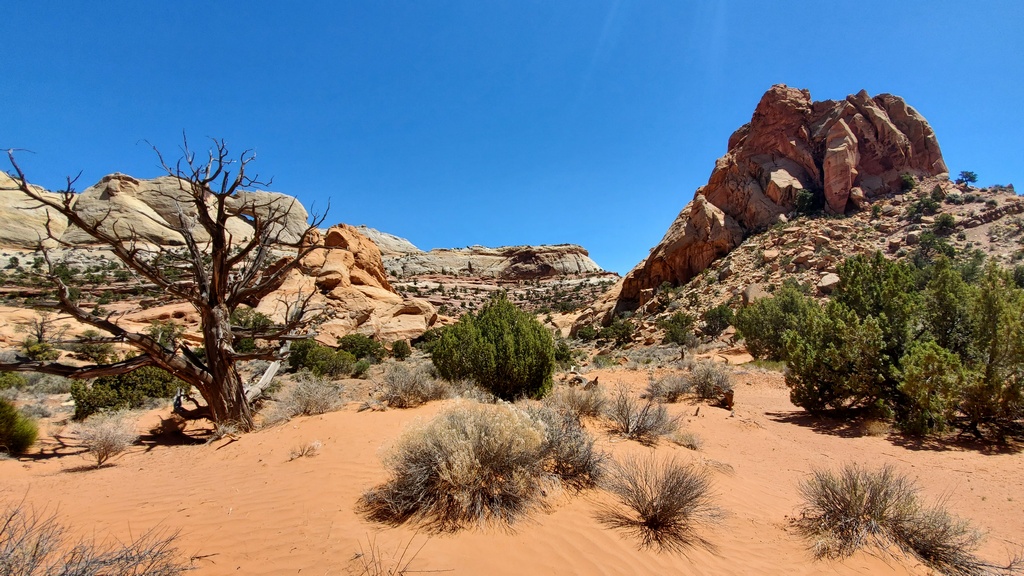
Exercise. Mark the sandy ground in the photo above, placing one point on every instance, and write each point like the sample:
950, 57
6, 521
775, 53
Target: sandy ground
243, 508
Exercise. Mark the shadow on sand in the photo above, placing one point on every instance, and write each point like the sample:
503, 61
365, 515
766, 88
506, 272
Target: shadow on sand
857, 425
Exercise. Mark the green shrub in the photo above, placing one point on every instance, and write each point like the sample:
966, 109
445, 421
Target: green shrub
12, 380
808, 202
619, 331
320, 360
400, 349
586, 333
361, 367
944, 223
250, 319
98, 352
505, 350
428, 339
678, 329
907, 182
129, 390
762, 324
362, 346
717, 319
933, 382
39, 351
17, 433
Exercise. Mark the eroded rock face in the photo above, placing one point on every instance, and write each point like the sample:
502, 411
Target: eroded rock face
850, 151
350, 287
152, 209
23, 222
507, 262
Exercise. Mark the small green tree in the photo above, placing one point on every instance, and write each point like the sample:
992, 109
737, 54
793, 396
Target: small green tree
966, 177
400, 350
763, 323
502, 348
620, 331
678, 329
835, 360
717, 319
933, 381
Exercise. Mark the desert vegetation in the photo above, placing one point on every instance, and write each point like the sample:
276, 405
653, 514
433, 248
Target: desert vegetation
34, 543
932, 348
221, 275
477, 463
505, 350
854, 508
662, 503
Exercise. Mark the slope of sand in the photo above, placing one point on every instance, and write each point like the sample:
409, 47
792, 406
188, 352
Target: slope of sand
243, 508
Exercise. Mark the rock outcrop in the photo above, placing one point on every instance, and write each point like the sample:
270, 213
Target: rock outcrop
23, 222
402, 259
152, 209
350, 288
506, 262
849, 152
149, 209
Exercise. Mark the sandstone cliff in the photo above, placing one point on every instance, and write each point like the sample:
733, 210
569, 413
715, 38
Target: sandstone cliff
849, 152
350, 288
151, 209
402, 259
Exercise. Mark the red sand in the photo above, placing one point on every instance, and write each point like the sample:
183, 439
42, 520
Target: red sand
243, 508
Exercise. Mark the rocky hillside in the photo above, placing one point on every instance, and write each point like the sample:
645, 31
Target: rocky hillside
404, 260
843, 155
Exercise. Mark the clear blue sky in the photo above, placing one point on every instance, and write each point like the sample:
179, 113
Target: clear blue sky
490, 122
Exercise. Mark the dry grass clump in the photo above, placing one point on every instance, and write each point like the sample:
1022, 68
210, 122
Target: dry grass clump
310, 396
670, 388
855, 508
710, 380
570, 450
688, 440
307, 450
376, 562
644, 422
660, 503
475, 463
577, 401
107, 435
406, 387
33, 544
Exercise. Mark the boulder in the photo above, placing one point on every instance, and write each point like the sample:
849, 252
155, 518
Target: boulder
828, 283
346, 278
753, 293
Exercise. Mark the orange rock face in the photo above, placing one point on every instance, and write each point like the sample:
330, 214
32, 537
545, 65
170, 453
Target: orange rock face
351, 290
849, 151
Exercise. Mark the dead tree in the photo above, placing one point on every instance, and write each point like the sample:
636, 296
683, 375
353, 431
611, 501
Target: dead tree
213, 272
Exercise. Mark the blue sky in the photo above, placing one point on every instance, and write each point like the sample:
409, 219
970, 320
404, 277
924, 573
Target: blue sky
490, 122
